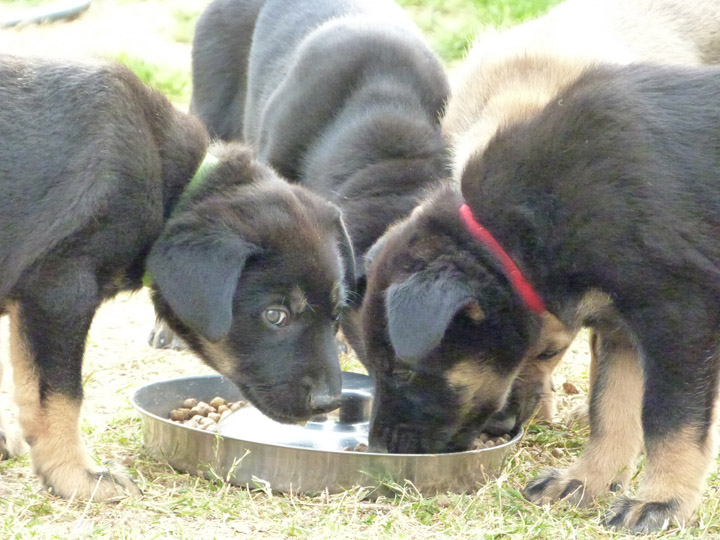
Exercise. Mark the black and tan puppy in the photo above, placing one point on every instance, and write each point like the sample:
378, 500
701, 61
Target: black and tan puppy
507, 78
608, 201
431, 396
94, 178
615, 190
341, 96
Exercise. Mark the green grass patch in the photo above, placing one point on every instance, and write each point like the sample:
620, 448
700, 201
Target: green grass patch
184, 20
174, 83
451, 25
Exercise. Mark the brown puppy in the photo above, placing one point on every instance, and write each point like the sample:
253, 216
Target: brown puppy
94, 182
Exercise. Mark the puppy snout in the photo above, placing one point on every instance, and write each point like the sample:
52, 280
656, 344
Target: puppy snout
322, 403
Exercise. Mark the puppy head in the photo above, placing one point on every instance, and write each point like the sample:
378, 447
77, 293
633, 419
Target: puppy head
446, 336
254, 274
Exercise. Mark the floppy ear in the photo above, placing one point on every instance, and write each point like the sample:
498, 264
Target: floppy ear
420, 309
198, 278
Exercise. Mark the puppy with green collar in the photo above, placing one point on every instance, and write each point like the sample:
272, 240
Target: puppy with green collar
94, 174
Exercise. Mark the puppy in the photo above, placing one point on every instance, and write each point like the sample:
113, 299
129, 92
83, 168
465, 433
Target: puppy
343, 97
609, 201
95, 172
414, 307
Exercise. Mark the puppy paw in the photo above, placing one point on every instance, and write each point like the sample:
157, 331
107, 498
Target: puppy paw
553, 485
161, 337
11, 443
87, 484
578, 415
642, 517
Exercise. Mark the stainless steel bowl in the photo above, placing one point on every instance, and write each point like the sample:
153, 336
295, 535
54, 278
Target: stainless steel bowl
306, 459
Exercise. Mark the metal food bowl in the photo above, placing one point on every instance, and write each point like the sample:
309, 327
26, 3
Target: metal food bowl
253, 450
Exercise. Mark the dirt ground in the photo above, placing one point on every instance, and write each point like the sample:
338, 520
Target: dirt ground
138, 28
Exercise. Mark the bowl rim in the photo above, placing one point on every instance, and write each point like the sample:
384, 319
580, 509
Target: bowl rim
134, 401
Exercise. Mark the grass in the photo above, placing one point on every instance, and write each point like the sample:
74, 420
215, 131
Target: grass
175, 505
174, 83
179, 506
450, 25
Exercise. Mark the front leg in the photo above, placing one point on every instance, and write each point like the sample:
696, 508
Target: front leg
47, 341
615, 429
679, 421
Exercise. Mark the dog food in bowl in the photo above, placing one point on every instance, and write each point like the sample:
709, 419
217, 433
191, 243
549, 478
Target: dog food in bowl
333, 458
198, 414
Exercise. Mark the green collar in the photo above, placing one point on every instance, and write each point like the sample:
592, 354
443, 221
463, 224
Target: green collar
207, 165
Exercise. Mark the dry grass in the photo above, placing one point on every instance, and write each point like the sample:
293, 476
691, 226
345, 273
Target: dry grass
177, 505
155, 36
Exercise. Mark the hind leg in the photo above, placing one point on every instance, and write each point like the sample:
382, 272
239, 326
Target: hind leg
615, 428
47, 339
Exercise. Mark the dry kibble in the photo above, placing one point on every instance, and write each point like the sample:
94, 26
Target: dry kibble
570, 389
205, 422
202, 415
181, 414
201, 409
557, 452
217, 401
237, 405
189, 403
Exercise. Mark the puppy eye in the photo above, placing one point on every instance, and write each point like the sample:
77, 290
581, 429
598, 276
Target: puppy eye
276, 316
547, 355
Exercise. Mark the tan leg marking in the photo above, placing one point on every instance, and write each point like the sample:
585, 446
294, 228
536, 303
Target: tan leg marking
52, 429
676, 470
617, 438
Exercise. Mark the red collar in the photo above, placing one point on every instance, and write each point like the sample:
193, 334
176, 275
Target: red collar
522, 287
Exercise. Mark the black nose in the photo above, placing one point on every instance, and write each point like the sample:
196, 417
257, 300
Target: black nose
322, 403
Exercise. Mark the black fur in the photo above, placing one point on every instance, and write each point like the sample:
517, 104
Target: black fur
424, 282
341, 96
92, 166
617, 188
612, 188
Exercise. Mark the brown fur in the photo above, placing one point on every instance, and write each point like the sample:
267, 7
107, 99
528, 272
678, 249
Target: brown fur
51, 425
